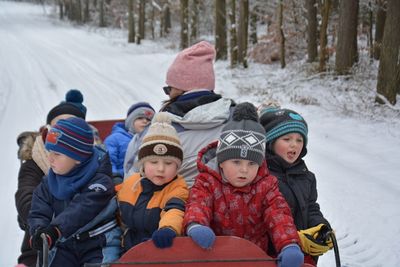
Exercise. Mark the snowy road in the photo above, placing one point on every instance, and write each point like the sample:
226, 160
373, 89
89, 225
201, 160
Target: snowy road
356, 162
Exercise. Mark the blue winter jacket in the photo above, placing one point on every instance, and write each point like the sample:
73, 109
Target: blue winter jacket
117, 144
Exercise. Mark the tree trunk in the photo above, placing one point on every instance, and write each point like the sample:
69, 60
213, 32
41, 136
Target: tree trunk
389, 66
371, 24
312, 46
131, 22
281, 35
243, 31
253, 25
67, 8
152, 21
86, 14
184, 24
76, 11
142, 18
323, 53
102, 19
61, 6
379, 27
220, 30
166, 19
194, 21
346, 49
233, 37
79, 11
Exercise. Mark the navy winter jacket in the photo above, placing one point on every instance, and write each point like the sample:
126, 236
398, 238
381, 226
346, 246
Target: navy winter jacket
71, 215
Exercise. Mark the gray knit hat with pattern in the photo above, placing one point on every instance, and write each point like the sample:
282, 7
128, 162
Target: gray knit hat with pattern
243, 137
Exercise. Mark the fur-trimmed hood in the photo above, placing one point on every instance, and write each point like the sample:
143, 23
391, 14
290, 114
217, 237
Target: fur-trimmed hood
25, 141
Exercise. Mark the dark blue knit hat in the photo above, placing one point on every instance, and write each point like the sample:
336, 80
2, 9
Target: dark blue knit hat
278, 122
72, 105
139, 105
75, 97
72, 137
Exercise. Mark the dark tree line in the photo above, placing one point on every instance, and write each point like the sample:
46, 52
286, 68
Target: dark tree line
331, 27
384, 18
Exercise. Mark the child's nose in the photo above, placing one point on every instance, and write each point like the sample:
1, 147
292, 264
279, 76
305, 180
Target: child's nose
243, 168
160, 166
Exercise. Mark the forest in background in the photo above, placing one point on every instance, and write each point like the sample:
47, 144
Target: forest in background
330, 35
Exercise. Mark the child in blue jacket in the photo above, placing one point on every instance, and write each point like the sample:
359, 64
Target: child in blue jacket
74, 205
138, 117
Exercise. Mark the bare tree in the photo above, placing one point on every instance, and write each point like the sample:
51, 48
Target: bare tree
75, 10
61, 7
243, 31
312, 46
194, 20
346, 49
184, 24
102, 18
78, 14
253, 24
86, 15
165, 26
323, 53
233, 37
142, 19
389, 66
281, 35
371, 24
220, 30
152, 21
131, 22
379, 27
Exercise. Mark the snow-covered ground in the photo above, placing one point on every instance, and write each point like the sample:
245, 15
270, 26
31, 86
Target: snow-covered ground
354, 145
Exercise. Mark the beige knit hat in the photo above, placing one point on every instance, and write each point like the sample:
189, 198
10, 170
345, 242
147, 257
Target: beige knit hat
161, 140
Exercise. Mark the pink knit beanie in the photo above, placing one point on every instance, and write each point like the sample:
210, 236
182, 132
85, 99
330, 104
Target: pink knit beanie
193, 68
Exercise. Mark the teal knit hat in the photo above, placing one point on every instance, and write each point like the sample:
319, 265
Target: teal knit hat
278, 122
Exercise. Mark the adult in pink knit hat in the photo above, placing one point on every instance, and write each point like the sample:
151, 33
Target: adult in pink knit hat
197, 113
193, 68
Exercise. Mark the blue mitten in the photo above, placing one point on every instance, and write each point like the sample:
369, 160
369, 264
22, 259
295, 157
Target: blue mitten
291, 256
202, 235
163, 237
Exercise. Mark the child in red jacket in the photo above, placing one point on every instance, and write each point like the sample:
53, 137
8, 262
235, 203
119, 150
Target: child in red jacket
235, 195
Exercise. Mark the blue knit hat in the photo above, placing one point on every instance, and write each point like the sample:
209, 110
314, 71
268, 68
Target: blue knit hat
72, 137
278, 122
138, 110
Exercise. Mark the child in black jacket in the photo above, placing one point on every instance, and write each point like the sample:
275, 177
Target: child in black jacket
286, 142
